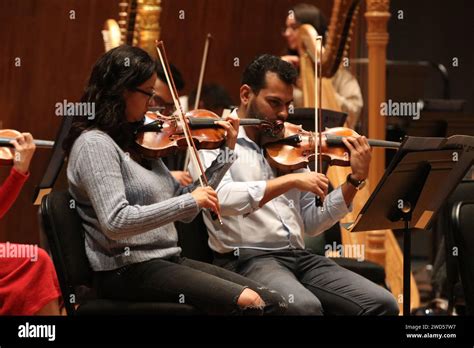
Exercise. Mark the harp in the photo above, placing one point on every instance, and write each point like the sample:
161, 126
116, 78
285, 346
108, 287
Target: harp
138, 25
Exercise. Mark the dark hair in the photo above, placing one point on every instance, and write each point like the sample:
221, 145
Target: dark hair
255, 74
214, 97
177, 77
120, 69
310, 14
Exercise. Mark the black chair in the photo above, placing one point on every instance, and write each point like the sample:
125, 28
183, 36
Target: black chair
462, 238
451, 243
65, 235
193, 240
451, 224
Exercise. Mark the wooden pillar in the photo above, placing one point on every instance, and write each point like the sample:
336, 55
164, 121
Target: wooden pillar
147, 24
377, 16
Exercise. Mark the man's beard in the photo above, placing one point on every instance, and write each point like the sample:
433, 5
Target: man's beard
254, 112
266, 135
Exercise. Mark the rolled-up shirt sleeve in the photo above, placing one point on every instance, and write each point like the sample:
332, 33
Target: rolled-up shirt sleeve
317, 220
235, 198
240, 198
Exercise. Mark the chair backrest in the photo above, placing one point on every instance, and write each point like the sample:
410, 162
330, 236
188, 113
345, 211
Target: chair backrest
463, 235
63, 228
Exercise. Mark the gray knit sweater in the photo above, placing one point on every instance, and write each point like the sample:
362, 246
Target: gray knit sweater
127, 210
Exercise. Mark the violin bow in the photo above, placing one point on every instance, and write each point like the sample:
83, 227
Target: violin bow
318, 119
205, 54
160, 48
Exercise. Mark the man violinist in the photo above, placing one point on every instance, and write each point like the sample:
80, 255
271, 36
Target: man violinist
265, 215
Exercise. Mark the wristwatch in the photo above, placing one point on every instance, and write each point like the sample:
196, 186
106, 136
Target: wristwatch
358, 184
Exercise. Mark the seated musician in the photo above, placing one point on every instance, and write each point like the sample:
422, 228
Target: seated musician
214, 97
163, 100
346, 87
28, 285
265, 215
128, 205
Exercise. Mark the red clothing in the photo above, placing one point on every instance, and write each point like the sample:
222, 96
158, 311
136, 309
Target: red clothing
26, 285
27, 277
10, 189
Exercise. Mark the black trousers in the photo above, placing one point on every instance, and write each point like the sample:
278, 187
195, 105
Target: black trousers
211, 289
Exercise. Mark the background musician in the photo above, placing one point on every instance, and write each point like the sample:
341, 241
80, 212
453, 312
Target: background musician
164, 101
347, 90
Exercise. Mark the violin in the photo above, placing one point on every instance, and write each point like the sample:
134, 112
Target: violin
6, 153
194, 155
165, 134
296, 149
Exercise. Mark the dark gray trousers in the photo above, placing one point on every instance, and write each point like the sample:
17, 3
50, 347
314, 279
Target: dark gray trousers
312, 284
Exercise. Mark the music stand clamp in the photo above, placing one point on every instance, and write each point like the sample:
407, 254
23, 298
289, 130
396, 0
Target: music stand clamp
421, 176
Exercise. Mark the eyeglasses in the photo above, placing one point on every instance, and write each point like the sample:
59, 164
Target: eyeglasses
150, 95
164, 108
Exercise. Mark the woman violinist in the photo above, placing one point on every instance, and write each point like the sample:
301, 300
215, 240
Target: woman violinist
128, 205
28, 285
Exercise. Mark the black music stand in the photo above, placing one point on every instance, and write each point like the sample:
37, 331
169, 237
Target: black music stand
421, 176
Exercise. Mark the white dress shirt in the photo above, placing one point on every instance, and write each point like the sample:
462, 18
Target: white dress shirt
281, 222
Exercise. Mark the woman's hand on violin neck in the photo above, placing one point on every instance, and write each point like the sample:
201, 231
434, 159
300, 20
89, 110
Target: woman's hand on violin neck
316, 183
24, 150
206, 198
231, 124
360, 154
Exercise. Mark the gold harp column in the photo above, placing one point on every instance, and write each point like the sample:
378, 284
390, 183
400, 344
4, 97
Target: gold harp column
377, 16
147, 24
